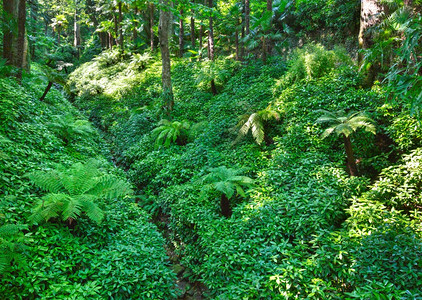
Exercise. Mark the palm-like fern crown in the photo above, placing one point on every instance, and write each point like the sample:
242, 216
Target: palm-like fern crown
346, 124
255, 123
227, 181
67, 127
74, 190
168, 132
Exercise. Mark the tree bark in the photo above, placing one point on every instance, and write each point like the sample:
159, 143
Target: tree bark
266, 45
76, 31
247, 17
210, 34
351, 162
164, 30
192, 28
225, 206
122, 40
47, 89
151, 25
135, 30
181, 34
22, 45
9, 35
236, 39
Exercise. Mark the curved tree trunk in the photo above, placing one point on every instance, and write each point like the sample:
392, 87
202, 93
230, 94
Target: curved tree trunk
225, 206
164, 30
351, 162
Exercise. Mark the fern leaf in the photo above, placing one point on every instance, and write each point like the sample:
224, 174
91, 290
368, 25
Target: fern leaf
49, 181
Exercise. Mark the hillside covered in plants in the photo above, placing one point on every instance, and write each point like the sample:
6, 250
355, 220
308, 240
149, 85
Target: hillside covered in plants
211, 150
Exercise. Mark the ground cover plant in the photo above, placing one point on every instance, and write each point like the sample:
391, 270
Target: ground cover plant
210, 150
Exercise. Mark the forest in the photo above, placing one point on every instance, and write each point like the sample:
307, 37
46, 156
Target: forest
208, 149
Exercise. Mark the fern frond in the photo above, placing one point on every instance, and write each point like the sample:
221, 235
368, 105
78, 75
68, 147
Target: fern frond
49, 181
109, 187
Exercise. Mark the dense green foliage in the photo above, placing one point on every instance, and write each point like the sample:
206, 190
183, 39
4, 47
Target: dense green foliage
306, 229
241, 188
123, 257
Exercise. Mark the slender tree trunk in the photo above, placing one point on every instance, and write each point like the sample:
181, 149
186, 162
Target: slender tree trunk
267, 49
22, 45
76, 31
236, 39
34, 17
211, 46
164, 31
181, 34
351, 163
242, 44
210, 35
110, 41
151, 25
225, 206
192, 28
122, 40
247, 17
9, 9
201, 33
116, 28
47, 89
135, 30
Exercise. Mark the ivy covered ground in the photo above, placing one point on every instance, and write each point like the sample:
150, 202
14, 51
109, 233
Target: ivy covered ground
304, 228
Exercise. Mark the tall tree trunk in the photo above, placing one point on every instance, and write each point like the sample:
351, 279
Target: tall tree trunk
76, 31
351, 163
242, 44
201, 33
34, 17
192, 27
151, 25
247, 17
122, 40
164, 31
267, 49
369, 17
236, 39
110, 41
211, 46
22, 44
9, 35
225, 206
181, 34
116, 29
210, 34
135, 30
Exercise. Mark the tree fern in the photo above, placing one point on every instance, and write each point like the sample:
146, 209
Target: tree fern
169, 132
344, 125
74, 191
67, 127
255, 123
227, 182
